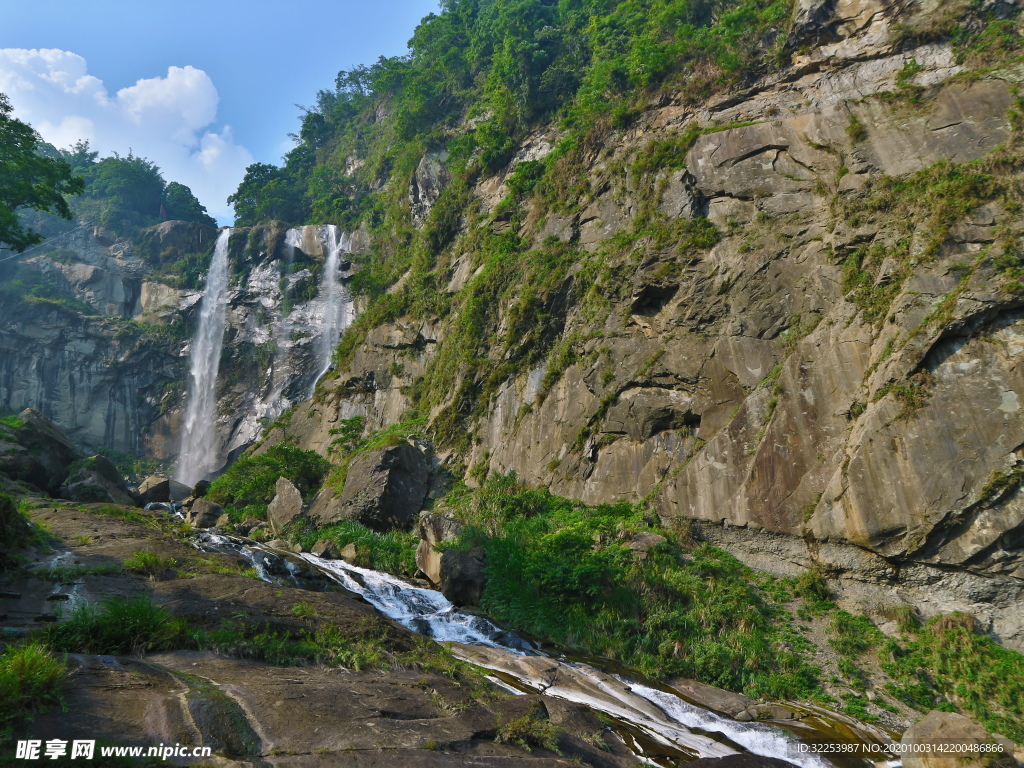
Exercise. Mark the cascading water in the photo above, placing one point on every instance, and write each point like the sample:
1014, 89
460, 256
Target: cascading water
338, 308
197, 455
663, 718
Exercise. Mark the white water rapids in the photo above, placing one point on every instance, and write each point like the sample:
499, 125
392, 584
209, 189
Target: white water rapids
663, 717
197, 455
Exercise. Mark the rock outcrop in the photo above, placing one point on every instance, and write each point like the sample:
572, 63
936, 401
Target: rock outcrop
384, 488
95, 479
832, 383
950, 740
35, 451
285, 507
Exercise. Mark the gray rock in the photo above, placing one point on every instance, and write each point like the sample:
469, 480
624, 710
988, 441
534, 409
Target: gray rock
155, 488
279, 544
36, 451
642, 543
726, 702
179, 491
249, 524
325, 548
96, 479
204, 513
286, 506
201, 488
384, 488
349, 553
433, 529
950, 730
223, 521
428, 181
462, 577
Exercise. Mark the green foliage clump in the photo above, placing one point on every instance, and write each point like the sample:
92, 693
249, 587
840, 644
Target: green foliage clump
15, 532
950, 666
148, 563
393, 551
29, 180
565, 572
248, 485
531, 729
31, 680
118, 626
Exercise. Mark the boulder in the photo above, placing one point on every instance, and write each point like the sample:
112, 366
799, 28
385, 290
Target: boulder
384, 488
204, 514
964, 735
155, 489
95, 479
350, 554
325, 548
462, 577
709, 697
279, 544
286, 506
223, 521
201, 488
249, 524
432, 530
34, 450
642, 543
179, 491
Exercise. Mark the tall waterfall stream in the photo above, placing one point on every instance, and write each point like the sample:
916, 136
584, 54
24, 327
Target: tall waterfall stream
658, 725
199, 437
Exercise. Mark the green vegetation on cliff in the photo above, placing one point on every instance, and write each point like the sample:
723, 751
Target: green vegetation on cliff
248, 486
603, 581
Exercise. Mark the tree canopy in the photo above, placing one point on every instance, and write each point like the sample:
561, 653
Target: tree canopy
28, 180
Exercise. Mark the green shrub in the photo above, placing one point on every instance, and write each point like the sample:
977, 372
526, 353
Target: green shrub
565, 572
950, 666
531, 729
15, 532
394, 551
118, 626
148, 563
31, 680
249, 482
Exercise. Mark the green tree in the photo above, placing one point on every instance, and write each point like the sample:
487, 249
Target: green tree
131, 188
28, 180
181, 204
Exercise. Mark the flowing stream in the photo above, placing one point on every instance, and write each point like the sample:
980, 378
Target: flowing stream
338, 308
661, 727
197, 454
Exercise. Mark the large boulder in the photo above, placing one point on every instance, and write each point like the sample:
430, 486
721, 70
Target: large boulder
384, 489
95, 479
434, 529
463, 576
286, 505
961, 741
34, 450
155, 489
161, 488
204, 513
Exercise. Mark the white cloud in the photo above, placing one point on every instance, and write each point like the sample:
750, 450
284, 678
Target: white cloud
170, 120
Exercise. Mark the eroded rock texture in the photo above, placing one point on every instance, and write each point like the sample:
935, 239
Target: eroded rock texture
832, 384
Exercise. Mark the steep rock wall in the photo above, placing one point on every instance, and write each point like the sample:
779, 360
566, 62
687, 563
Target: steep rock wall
833, 384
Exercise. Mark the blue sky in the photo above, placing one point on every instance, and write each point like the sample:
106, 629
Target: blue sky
200, 88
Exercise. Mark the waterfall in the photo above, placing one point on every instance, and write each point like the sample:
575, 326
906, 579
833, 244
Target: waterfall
196, 459
338, 308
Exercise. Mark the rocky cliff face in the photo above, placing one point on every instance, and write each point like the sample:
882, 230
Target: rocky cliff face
110, 367
833, 382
